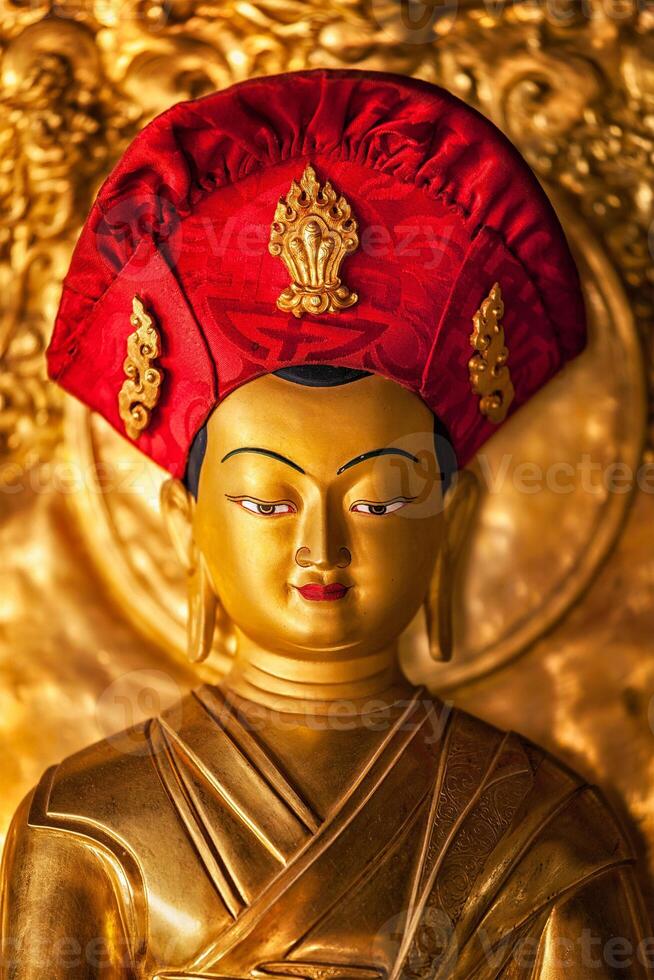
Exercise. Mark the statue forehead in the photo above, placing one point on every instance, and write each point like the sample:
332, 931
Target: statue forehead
330, 422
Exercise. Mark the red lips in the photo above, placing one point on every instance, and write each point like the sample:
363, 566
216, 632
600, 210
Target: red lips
323, 593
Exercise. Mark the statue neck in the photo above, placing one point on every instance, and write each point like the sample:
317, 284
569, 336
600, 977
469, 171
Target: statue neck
296, 684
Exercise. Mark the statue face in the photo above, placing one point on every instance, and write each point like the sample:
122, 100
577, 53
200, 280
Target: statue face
319, 513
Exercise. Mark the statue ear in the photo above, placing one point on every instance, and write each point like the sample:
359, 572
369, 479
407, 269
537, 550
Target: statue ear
461, 503
460, 506
177, 506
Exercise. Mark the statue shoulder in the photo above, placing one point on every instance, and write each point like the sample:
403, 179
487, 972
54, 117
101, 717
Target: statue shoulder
112, 788
580, 810
526, 847
555, 802
145, 809
74, 853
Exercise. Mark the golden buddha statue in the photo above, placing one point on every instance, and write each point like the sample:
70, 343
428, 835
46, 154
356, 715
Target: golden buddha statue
315, 815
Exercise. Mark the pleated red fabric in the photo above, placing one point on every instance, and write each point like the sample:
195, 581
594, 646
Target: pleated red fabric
445, 207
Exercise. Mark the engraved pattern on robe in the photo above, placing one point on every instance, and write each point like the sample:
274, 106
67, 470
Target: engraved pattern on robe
468, 855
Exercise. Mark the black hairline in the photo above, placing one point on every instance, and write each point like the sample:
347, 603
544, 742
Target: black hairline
309, 374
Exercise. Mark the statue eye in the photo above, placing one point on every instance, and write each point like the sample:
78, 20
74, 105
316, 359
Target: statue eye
379, 510
264, 508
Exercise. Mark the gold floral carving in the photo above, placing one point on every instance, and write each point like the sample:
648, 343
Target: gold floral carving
489, 375
140, 391
312, 232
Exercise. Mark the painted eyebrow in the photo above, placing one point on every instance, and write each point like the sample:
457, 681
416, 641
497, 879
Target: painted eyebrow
372, 454
263, 452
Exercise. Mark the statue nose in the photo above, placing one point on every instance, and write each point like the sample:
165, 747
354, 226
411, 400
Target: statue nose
304, 558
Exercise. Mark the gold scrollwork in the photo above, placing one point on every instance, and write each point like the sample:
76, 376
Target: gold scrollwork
313, 230
489, 374
141, 388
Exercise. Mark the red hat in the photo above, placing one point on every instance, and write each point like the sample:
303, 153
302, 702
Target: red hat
352, 218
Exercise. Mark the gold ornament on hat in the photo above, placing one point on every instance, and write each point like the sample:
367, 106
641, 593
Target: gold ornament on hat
489, 374
313, 230
141, 388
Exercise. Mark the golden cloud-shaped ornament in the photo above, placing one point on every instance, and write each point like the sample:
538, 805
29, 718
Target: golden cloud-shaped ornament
141, 388
490, 377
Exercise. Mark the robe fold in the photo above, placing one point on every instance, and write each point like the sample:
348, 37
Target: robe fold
192, 847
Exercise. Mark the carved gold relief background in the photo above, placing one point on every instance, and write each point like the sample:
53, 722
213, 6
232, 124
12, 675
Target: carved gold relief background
557, 596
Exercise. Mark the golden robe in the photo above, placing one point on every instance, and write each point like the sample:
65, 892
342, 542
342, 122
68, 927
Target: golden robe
422, 843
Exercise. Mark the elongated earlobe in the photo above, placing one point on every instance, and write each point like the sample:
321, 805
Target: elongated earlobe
461, 503
439, 609
207, 621
202, 612
177, 507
